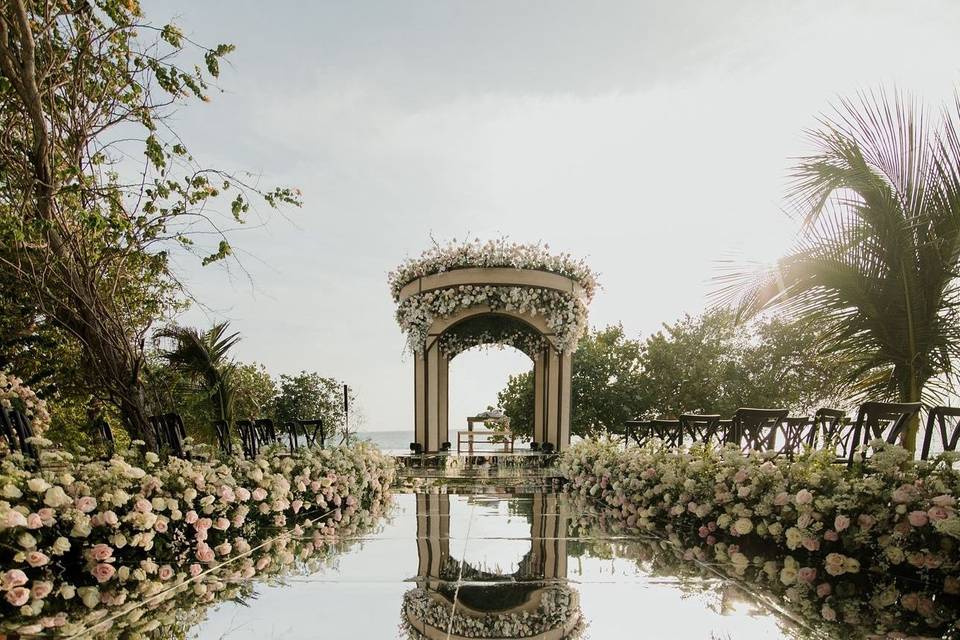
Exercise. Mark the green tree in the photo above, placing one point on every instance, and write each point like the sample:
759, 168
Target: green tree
254, 390
606, 386
85, 232
201, 357
713, 364
877, 260
308, 396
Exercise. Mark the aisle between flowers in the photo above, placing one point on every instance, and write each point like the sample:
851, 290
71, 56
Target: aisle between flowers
84, 545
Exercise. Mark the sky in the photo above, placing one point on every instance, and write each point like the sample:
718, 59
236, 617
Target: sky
653, 139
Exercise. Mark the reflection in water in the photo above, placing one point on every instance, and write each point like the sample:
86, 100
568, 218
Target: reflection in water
454, 599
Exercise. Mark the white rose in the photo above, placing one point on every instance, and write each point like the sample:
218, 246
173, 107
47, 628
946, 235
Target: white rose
38, 485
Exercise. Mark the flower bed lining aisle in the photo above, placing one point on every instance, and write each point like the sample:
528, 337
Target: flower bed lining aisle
868, 550
89, 544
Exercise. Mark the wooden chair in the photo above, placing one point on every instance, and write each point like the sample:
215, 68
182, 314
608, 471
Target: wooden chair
16, 429
249, 441
667, 431
224, 438
884, 420
266, 432
832, 431
700, 428
636, 430
756, 429
796, 432
938, 419
313, 431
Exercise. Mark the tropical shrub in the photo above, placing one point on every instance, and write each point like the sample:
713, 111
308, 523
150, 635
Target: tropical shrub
85, 544
858, 551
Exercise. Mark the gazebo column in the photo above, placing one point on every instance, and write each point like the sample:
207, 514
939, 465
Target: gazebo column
431, 390
552, 398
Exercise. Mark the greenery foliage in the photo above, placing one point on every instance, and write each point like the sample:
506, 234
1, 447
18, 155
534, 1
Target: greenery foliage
875, 267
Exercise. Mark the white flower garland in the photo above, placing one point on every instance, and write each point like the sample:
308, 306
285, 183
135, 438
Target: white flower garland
529, 342
564, 313
493, 253
16, 395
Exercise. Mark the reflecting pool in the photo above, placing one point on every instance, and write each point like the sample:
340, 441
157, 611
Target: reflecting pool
493, 565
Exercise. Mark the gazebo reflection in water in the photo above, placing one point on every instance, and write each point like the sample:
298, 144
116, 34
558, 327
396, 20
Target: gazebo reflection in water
456, 600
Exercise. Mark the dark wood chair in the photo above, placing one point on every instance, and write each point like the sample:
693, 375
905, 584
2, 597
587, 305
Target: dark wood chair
756, 429
103, 432
796, 432
16, 429
314, 432
943, 427
265, 430
176, 435
833, 431
884, 420
224, 439
700, 428
636, 430
667, 431
249, 441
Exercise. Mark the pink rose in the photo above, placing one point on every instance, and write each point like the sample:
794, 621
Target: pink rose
143, 506
830, 535
41, 589
46, 515
160, 525
866, 521
810, 544
101, 552
262, 563
204, 552
243, 494
222, 524
807, 574
190, 517
944, 500
103, 572
259, 494
917, 518
13, 578
86, 504
14, 518
223, 549
804, 497
18, 596
37, 559
110, 518
203, 524
165, 572
34, 521
841, 522
824, 589
296, 505
195, 569
938, 513
781, 498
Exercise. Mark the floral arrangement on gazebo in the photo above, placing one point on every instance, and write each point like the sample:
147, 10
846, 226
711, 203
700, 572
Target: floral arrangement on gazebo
14, 394
564, 312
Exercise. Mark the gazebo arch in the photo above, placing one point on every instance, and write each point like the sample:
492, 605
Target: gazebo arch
541, 298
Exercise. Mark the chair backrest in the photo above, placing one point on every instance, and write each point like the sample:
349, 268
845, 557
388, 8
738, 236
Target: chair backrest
249, 441
265, 431
796, 432
16, 429
293, 435
224, 441
700, 428
944, 423
833, 431
885, 420
176, 434
313, 431
668, 431
636, 430
756, 429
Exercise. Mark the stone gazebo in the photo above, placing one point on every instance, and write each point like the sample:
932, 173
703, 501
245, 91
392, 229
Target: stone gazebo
468, 295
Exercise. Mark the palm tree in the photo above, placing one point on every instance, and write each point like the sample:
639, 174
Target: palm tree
875, 267
202, 358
